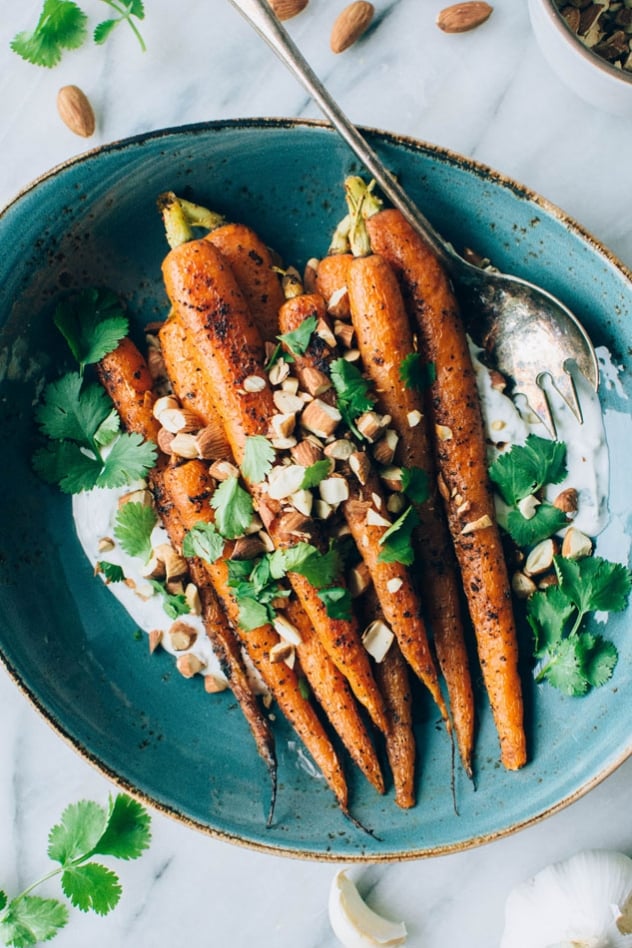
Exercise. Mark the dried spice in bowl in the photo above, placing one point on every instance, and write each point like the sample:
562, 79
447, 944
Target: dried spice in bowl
605, 28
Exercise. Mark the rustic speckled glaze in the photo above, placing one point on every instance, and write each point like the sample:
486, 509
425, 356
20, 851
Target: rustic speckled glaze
64, 638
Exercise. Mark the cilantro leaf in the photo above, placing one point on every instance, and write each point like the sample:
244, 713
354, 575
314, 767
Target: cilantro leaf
204, 541
112, 572
546, 521
127, 834
352, 391
91, 886
233, 508
70, 411
563, 668
319, 569
3, 899
524, 469
92, 323
259, 455
30, 919
415, 484
80, 828
298, 339
600, 661
337, 601
174, 604
133, 527
315, 473
129, 460
594, 584
61, 25
253, 614
416, 374
108, 429
65, 464
548, 611
396, 542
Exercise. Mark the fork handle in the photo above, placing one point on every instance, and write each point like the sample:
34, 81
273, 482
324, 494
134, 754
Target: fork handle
261, 17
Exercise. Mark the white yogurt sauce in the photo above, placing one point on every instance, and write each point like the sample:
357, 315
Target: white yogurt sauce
510, 421
94, 515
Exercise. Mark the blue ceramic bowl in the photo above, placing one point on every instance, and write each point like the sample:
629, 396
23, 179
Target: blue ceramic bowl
65, 640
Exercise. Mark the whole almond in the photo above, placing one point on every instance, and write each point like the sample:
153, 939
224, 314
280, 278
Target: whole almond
286, 9
461, 17
350, 25
75, 111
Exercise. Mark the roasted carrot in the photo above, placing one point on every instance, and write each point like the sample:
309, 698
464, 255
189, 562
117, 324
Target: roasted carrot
207, 299
392, 581
127, 380
331, 282
253, 264
384, 337
125, 376
189, 382
191, 489
462, 465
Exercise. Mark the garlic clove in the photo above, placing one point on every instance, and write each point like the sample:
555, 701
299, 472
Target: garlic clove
354, 923
574, 902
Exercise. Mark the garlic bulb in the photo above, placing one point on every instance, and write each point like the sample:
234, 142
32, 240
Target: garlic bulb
582, 902
354, 923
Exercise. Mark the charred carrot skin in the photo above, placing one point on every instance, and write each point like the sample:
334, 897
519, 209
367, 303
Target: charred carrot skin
384, 338
253, 264
402, 609
401, 749
206, 298
462, 465
191, 489
126, 378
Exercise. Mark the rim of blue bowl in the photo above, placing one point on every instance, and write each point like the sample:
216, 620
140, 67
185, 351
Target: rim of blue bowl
123, 783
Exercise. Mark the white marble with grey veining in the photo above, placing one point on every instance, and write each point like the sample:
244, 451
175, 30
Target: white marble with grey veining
489, 95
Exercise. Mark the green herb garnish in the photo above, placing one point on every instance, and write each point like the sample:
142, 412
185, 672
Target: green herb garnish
352, 390
86, 830
233, 508
111, 572
415, 373
570, 658
133, 527
204, 541
63, 25
71, 415
298, 339
396, 542
92, 323
259, 455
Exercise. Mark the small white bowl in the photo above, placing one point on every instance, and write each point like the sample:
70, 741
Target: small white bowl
588, 75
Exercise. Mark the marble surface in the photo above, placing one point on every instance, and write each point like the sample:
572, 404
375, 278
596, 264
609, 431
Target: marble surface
489, 95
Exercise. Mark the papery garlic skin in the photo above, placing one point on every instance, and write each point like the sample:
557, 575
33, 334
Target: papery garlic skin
571, 904
354, 923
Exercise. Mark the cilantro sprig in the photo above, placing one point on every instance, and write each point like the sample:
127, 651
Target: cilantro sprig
521, 472
92, 323
75, 417
133, 526
63, 25
570, 657
85, 830
84, 447
397, 542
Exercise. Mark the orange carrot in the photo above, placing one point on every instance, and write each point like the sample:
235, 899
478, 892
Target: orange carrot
385, 339
462, 464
